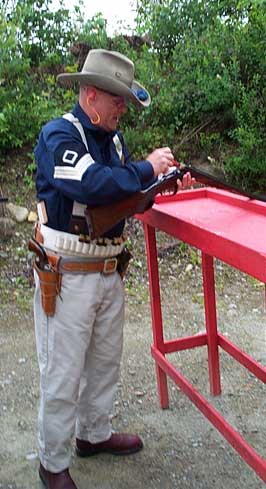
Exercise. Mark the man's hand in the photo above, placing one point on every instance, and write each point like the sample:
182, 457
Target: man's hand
161, 160
187, 182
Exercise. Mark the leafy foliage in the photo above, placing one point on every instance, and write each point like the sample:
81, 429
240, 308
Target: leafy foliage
204, 65
28, 52
213, 69
42, 34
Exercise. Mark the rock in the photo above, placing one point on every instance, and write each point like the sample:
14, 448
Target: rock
32, 456
22, 360
7, 227
32, 217
19, 213
139, 393
3, 255
189, 267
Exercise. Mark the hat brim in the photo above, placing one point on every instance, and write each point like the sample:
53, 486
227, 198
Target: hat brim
107, 84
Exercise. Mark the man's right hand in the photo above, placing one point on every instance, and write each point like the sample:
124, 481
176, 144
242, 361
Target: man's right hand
161, 159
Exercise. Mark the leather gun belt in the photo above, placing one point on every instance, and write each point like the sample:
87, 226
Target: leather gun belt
109, 265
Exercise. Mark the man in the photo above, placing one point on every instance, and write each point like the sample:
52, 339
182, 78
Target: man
82, 160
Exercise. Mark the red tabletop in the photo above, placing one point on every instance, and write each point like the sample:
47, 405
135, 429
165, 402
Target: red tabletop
227, 226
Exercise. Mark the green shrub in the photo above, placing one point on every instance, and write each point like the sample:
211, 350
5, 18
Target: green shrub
204, 67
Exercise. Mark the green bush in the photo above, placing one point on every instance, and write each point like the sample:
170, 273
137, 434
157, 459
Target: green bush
29, 51
212, 57
204, 67
248, 165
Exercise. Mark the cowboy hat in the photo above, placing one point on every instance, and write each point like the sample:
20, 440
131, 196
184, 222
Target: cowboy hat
112, 72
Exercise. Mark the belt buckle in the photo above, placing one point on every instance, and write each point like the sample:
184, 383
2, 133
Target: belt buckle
110, 265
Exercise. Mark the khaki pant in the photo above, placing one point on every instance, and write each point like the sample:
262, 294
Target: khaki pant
79, 351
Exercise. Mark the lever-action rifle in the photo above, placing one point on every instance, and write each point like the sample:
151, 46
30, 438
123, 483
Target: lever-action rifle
101, 219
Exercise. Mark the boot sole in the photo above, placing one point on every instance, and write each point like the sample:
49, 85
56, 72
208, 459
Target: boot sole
83, 454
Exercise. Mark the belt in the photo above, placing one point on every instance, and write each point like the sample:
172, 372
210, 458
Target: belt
74, 245
109, 265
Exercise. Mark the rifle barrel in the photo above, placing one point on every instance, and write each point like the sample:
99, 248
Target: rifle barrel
207, 179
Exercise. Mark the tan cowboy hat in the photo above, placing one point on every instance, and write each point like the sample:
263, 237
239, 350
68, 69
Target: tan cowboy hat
112, 72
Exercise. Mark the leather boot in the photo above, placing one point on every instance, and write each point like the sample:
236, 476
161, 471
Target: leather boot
61, 480
118, 444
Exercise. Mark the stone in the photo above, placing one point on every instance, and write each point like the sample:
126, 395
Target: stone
32, 217
19, 213
32, 456
189, 267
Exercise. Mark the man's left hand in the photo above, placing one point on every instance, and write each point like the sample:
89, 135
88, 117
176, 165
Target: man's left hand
187, 182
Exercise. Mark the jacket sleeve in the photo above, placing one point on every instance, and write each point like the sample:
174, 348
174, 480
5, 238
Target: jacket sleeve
65, 163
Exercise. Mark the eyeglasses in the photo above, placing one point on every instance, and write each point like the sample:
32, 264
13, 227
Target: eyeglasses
118, 100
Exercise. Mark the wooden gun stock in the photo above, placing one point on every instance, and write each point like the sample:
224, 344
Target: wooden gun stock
101, 219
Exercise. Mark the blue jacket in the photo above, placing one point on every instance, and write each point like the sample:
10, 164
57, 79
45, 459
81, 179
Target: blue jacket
67, 172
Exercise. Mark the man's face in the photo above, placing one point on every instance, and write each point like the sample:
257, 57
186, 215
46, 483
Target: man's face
110, 108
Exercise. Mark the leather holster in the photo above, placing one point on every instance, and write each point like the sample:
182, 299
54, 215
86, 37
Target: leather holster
50, 284
123, 260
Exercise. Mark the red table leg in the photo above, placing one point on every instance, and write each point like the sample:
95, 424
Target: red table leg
211, 323
156, 312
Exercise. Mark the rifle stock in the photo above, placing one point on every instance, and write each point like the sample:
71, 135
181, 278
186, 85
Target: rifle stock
101, 219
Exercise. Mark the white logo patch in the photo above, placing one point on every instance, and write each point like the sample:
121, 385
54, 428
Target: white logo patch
70, 157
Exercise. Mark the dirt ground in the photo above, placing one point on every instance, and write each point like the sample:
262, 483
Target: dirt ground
182, 449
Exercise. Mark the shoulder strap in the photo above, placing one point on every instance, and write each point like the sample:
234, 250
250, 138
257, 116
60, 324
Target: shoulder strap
118, 145
71, 118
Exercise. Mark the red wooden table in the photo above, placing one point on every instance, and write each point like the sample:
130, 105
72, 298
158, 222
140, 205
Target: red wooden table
231, 228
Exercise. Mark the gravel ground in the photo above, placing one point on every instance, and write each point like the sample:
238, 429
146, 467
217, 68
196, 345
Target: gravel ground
182, 449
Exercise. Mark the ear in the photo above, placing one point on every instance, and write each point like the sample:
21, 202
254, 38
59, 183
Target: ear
91, 94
